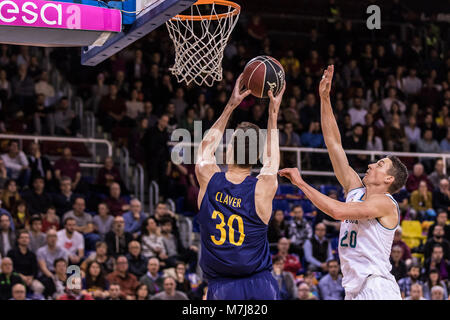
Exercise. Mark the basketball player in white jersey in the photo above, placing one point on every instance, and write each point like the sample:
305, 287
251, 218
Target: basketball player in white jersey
369, 217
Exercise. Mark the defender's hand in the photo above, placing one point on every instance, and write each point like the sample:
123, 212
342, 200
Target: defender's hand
325, 83
238, 94
275, 102
292, 174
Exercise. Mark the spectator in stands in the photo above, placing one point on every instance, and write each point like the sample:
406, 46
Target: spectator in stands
392, 97
278, 227
124, 278
286, 282
50, 220
74, 292
291, 262
59, 278
330, 286
8, 278
313, 138
438, 261
299, 230
441, 196
304, 292
445, 143
68, 166
3, 173
413, 277
333, 226
169, 293
434, 279
107, 175
23, 88
101, 257
428, 145
406, 251
16, 164
399, 269
183, 283
437, 293
438, 238
103, 221
318, 250
64, 199
7, 235
152, 241
152, 278
10, 196
142, 292
37, 237
412, 183
422, 202
43, 117
438, 174
117, 239
67, 122
40, 165
412, 132
114, 292
416, 292
356, 142
137, 263
45, 88
373, 141
441, 220
94, 283
38, 200
19, 292
112, 109
134, 218
46, 257
71, 240
117, 204
134, 106
357, 112
394, 135
411, 84
83, 219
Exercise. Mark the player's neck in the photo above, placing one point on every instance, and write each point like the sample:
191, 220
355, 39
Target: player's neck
236, 174
375, 189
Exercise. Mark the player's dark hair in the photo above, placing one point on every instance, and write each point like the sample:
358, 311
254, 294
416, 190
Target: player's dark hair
246, 126
399, 172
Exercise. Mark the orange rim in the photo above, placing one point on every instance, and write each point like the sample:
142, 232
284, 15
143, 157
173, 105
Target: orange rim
236, 11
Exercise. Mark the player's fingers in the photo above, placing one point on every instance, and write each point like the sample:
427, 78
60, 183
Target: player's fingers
246, 93
270, 93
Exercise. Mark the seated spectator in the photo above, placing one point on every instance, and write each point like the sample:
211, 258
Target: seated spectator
356, 141
399, 269
103, 221
67, 122
278, 228
134, 218
304, 292
72, 241
438, 293
7, 235
428, 145
318, 250
169, 293
374, 142
37, 199
142, 292
127, 281
412, 183
50, 220
114, 292
413, 277
134, 106
43, 117
37, 237
299, 230
330, 286
19, 292
83, 219
412, 132
59, 278
8, 278
441, 196
74, 292
438, 238
394, 135
153, 278
289, 138
422, 202
162, 212
441, 220
438, 261
64, 199
10, 196
94, 282
152, 241
137, 264
101, 257
107, 175
46, 257
117, 205
183, 283
16, 164
117, 239
313, 138
416, 293
69, 167
291, 262
25, 262
433, 280
3, 173
286, 282
438, 174
112, 110
40, 165
21, 216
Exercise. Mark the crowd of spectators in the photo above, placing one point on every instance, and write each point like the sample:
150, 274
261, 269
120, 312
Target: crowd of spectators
387, 94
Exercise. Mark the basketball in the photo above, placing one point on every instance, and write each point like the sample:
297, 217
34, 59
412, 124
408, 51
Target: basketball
263, 73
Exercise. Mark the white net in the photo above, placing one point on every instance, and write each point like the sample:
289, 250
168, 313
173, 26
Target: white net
200, 41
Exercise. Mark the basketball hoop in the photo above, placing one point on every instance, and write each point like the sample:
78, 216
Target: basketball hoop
200, 39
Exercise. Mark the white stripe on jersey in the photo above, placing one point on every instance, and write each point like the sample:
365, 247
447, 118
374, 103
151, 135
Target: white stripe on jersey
364, 247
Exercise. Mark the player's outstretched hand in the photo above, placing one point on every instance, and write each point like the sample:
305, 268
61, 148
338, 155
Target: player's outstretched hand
292, 174
325, 83
275, 102
238, 94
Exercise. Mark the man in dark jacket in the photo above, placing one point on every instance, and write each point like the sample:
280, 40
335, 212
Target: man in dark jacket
117, 239
8, 279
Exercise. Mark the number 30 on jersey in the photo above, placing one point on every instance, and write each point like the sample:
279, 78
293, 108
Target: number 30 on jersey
223, 233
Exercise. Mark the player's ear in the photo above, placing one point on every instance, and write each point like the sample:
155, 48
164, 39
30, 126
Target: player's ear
389, 179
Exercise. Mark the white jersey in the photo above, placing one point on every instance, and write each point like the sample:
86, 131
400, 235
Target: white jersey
364, 248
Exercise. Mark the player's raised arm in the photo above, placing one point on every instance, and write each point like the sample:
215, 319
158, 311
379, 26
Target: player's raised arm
268, 183
378, 205
346, 176
206, 162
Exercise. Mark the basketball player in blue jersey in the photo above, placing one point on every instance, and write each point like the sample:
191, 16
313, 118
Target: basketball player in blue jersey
235, 209
369, 217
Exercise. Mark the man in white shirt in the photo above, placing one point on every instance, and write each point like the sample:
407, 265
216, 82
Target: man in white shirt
71, 240
357, 112
16, 164
412, 84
